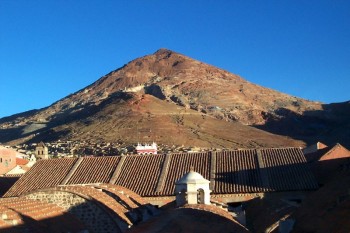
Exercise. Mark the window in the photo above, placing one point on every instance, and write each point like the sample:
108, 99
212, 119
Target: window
200, 196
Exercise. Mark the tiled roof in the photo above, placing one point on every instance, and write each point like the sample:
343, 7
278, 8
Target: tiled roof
25, 215
135, 205
190, 219
141, 173
264, 214
230, 172
44, 174
116, 201
312, 157
121, 195
94, 170
211, 208
332, 152
20, 161
237, 171
287, 170
325, 162
137, 199
98, 196
181, 164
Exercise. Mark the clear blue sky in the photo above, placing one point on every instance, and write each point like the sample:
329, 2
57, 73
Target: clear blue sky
51, 48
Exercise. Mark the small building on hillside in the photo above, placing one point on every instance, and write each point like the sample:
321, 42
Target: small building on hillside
22, 166
42, 151
146, 149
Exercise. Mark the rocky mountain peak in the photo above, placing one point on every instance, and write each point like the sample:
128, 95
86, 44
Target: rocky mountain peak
170, 80
163, 51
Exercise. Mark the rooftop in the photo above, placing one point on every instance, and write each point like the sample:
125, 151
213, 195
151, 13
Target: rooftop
229, 172
192, 177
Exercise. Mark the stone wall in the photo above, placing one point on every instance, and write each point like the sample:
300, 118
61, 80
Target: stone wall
87, 211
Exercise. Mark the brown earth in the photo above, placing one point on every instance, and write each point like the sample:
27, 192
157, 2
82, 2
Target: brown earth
180, 101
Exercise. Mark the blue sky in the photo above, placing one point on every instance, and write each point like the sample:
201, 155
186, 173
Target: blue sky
52, 48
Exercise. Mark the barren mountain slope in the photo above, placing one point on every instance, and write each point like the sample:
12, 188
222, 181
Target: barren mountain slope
174, 80
132, 117
190, 83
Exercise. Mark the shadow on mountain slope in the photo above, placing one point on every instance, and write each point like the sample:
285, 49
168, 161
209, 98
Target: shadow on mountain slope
330, 125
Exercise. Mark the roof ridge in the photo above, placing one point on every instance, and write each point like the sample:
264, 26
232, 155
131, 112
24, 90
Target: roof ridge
163, 173
117, 170
72, 170
212, 174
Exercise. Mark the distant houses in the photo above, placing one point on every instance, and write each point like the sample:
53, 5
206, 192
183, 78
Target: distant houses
12, 165
146, 149
13, 162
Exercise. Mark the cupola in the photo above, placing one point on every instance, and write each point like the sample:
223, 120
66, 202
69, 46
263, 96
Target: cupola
192, 188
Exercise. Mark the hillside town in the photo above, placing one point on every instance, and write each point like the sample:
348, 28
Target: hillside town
66, 149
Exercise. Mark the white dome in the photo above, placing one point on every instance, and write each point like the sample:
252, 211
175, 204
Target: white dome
192, 177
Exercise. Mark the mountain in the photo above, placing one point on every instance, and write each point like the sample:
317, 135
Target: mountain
174, 99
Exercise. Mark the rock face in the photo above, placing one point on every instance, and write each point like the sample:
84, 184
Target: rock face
175, 82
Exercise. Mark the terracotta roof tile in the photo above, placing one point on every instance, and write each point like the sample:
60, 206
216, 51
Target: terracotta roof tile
9, 216
130, 204
100, 197
140, 173
95, 170
193, 219
20, 161
43, 217
239, 171
119, 204
332, 152
44, 174
211, 208
136, 198
287, 170
181, 164
311, 157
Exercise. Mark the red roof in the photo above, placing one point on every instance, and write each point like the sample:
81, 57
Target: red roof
20, 161
230, 172
190, 219
25, 215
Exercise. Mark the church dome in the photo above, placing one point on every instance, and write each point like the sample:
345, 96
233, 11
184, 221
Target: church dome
192, 177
